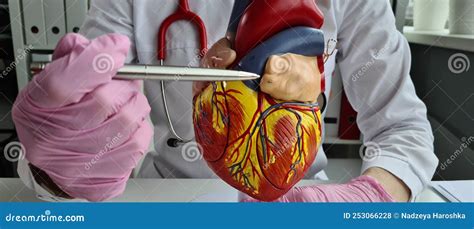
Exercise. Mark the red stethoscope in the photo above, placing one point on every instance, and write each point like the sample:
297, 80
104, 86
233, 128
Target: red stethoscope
182, 13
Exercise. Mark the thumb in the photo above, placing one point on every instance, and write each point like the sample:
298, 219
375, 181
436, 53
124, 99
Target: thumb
198, 87
68, 43
82, 68
224, 58
220, 55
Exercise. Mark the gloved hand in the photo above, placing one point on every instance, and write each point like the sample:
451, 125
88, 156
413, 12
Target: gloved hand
288, 77
361, 189
83, 129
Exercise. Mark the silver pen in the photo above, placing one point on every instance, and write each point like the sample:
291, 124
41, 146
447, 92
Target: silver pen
170, 73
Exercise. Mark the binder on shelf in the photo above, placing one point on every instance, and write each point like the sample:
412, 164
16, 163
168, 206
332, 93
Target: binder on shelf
76, 12
34, 23
55, 21
348, 128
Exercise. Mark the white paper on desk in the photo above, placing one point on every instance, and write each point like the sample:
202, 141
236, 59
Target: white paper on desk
455, 191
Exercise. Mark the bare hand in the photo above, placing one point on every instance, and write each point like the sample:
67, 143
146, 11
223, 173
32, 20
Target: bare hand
221, 56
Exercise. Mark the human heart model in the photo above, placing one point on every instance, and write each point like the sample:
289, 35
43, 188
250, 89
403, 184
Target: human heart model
257, 144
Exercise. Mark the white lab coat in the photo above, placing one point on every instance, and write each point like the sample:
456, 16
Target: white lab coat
374, 60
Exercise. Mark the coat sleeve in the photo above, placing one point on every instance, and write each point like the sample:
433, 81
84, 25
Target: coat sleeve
375, 60
111, 16
105, 16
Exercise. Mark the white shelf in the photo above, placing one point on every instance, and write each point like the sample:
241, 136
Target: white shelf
440, 39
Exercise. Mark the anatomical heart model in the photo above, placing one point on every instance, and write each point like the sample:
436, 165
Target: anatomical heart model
257, 144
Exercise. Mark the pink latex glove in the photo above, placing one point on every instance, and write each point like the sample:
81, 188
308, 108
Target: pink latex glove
85, 130
361, 189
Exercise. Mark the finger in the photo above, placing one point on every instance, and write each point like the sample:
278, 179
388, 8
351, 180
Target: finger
215, 61
224, 58
68, 43
66, 80
125, 157
220, 55
98, 105
205, 62
119, 127
293, 195
198, 87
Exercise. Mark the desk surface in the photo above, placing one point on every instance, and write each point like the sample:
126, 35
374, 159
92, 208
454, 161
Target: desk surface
167, 190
